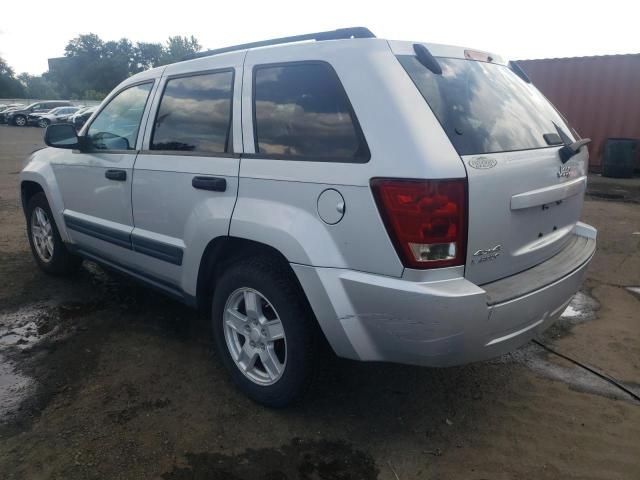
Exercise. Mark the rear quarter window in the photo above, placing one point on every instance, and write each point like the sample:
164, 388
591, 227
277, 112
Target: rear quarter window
301, 112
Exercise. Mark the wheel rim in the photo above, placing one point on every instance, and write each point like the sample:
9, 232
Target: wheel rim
42, 123
42, 234
255, 336
20, 121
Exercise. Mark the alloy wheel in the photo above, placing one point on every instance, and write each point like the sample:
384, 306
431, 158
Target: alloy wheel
255, 336
42, 234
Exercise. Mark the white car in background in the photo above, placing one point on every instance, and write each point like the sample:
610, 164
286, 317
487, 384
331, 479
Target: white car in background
57, 115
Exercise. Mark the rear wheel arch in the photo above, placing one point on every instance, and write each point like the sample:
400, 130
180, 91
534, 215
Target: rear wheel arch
224, 251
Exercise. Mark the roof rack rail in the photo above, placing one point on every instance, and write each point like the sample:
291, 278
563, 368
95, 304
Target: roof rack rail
341, 33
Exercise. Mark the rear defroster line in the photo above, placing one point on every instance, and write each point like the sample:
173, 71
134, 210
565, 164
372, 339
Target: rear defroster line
592, 370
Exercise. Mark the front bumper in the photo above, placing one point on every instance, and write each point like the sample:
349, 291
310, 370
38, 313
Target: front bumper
441, 323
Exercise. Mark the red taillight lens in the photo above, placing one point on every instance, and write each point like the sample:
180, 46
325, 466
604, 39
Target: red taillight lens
426, 219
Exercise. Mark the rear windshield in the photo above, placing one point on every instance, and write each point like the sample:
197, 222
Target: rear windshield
484, 107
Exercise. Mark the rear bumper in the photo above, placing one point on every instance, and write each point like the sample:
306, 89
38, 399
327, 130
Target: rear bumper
374, 318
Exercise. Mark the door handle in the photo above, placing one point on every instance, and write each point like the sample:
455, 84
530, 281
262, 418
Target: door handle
118, 175
214, 184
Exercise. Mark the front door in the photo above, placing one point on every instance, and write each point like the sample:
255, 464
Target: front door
95, 183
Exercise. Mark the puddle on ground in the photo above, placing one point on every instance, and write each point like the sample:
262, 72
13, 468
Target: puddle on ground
634, 290
22, 330
300, 459
14, 388
581, 309
577, 378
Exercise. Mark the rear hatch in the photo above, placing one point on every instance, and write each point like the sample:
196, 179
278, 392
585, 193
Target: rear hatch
523, 201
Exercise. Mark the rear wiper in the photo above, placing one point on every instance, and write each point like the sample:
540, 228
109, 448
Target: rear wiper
517, 69
570, 148
427, 59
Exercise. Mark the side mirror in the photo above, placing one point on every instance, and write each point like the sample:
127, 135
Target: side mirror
61, 135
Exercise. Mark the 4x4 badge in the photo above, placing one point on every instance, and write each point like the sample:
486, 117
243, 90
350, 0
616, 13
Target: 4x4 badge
487, 254
564, 171
483, 163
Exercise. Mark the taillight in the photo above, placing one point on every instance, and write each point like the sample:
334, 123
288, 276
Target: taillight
426, 219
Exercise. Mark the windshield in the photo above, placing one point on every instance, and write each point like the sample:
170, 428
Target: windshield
484, 107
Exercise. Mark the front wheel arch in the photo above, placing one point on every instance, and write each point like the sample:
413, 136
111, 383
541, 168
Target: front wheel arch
28, 189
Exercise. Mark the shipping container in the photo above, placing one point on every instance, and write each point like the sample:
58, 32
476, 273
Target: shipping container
600, 96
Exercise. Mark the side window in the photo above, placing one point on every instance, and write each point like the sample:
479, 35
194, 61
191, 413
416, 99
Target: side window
195, 114
116, 126
302, 112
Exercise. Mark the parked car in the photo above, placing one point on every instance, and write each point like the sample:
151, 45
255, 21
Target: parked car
7, 110
65, 117
408, 202
57, 115
19, 117
79, 118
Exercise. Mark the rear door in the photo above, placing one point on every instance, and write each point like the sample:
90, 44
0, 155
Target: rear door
185, 180
523, 201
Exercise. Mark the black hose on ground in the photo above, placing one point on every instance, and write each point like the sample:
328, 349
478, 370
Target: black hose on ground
597, 373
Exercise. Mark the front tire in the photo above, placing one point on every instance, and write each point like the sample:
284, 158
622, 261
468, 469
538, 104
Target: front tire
20, 120
47, 246
264, 331
43, 123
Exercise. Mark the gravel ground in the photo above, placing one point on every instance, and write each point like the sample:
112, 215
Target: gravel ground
101, 378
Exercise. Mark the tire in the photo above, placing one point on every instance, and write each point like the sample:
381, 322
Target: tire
47, 247
43, 123
280, 298
19, 120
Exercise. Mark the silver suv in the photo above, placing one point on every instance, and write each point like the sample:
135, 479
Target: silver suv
407, 202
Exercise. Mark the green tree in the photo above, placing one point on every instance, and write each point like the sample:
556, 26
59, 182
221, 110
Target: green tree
148, 55
92, 67
89, 45
10, 86
38, 86
178, 48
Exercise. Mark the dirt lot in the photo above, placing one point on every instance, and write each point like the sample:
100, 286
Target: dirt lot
100, 378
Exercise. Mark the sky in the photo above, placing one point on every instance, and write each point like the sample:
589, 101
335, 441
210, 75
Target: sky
34, 30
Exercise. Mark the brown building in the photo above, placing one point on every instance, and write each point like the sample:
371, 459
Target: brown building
600, 96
